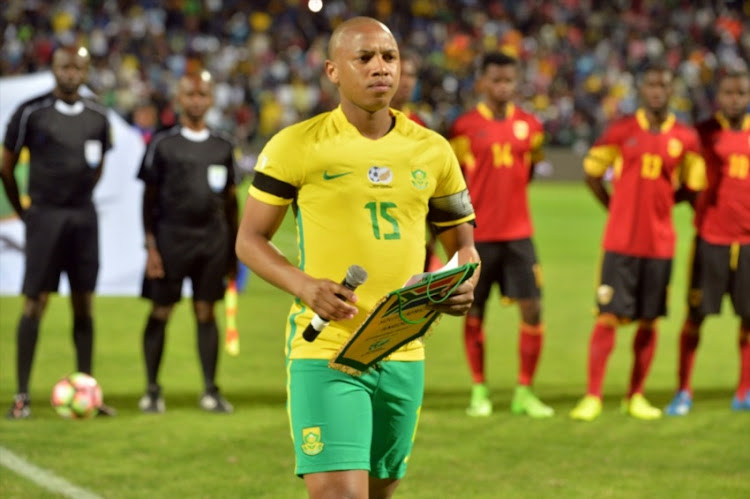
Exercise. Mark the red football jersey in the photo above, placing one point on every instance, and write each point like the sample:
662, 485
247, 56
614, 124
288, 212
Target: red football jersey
648, 167
412, 115
496, 155
722, 213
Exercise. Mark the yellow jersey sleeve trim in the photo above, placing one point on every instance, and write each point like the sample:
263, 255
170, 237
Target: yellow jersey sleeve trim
599, 158
453, 223
537, 153
694, 172
267, 198
462, 149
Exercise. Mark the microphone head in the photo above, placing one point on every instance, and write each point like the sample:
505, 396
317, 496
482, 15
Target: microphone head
356, 275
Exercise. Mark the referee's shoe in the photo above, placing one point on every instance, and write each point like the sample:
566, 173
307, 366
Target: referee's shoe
212, 401
21, 407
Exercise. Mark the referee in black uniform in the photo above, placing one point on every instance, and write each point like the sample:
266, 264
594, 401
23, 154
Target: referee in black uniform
67, 137
190, 221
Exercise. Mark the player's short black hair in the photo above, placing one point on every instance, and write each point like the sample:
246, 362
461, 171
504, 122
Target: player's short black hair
732, 73
653, 66
498, 59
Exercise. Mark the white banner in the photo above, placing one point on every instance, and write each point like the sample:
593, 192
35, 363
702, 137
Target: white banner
118, 198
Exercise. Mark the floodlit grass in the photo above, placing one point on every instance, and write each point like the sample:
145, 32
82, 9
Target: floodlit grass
188, 453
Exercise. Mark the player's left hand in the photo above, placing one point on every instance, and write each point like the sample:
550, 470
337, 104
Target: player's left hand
459, 301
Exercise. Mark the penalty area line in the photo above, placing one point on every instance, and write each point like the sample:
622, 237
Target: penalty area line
42, 477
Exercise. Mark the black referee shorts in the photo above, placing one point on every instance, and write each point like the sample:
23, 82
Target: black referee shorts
510, 264
717, 270
197, 254
632, 287
61, 239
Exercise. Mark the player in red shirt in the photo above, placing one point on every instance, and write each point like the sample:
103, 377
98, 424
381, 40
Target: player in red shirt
652, 156
402, 98
721, 256
497, 145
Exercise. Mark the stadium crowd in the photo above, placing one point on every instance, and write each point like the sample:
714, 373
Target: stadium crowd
268, 55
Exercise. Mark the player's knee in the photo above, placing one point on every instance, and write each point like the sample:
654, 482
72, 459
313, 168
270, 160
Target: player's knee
204, 311
81, 303
608, 320
161, 312
647, 324
531, 312
34, 307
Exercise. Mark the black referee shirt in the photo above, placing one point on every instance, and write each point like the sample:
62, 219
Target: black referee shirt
66, 142
193, 172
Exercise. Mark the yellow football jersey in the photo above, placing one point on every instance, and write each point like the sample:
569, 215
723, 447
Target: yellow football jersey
359, 201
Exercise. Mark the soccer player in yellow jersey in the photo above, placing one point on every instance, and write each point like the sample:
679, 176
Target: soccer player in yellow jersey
362, 179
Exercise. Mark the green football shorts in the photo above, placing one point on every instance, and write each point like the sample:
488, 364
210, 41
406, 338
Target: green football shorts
341, 422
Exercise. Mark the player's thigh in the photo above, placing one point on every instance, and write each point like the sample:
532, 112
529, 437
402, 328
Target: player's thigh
208, 275
521, 275
490, 254
330, 417
44, 251
616, 293
710, 277
396, 406
740, 286
82, 260
167, 290
653, 288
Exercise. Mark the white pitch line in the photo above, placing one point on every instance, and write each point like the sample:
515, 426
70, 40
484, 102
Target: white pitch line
42, 477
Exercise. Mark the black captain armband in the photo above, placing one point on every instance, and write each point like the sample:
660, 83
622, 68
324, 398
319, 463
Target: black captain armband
449, 208
278, 188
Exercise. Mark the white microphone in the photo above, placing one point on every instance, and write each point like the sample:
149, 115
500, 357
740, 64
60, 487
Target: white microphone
355, 276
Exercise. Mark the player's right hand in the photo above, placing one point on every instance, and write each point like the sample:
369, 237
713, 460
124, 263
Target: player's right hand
329, 299
154, 264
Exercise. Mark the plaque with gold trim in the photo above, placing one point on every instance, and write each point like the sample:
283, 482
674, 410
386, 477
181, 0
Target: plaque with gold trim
399, 317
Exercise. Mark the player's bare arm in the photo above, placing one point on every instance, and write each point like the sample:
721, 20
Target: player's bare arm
10, 159
459, 239
596, 184
98, 172
259, 223
232, 214
154, 263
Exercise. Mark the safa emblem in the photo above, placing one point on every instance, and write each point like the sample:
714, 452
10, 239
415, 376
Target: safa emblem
311, 441
419, 179
380, 175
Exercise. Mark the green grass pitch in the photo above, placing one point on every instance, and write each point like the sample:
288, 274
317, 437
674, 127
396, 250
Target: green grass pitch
188, 453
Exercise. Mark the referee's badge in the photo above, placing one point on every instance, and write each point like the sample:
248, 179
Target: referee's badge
217, 177
92, 151
604, 294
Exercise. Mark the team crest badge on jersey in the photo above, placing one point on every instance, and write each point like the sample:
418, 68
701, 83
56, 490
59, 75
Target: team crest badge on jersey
604, 294
674, 148
419, 179
312, 441
217, 177
92, 150
380, 175
521, 130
